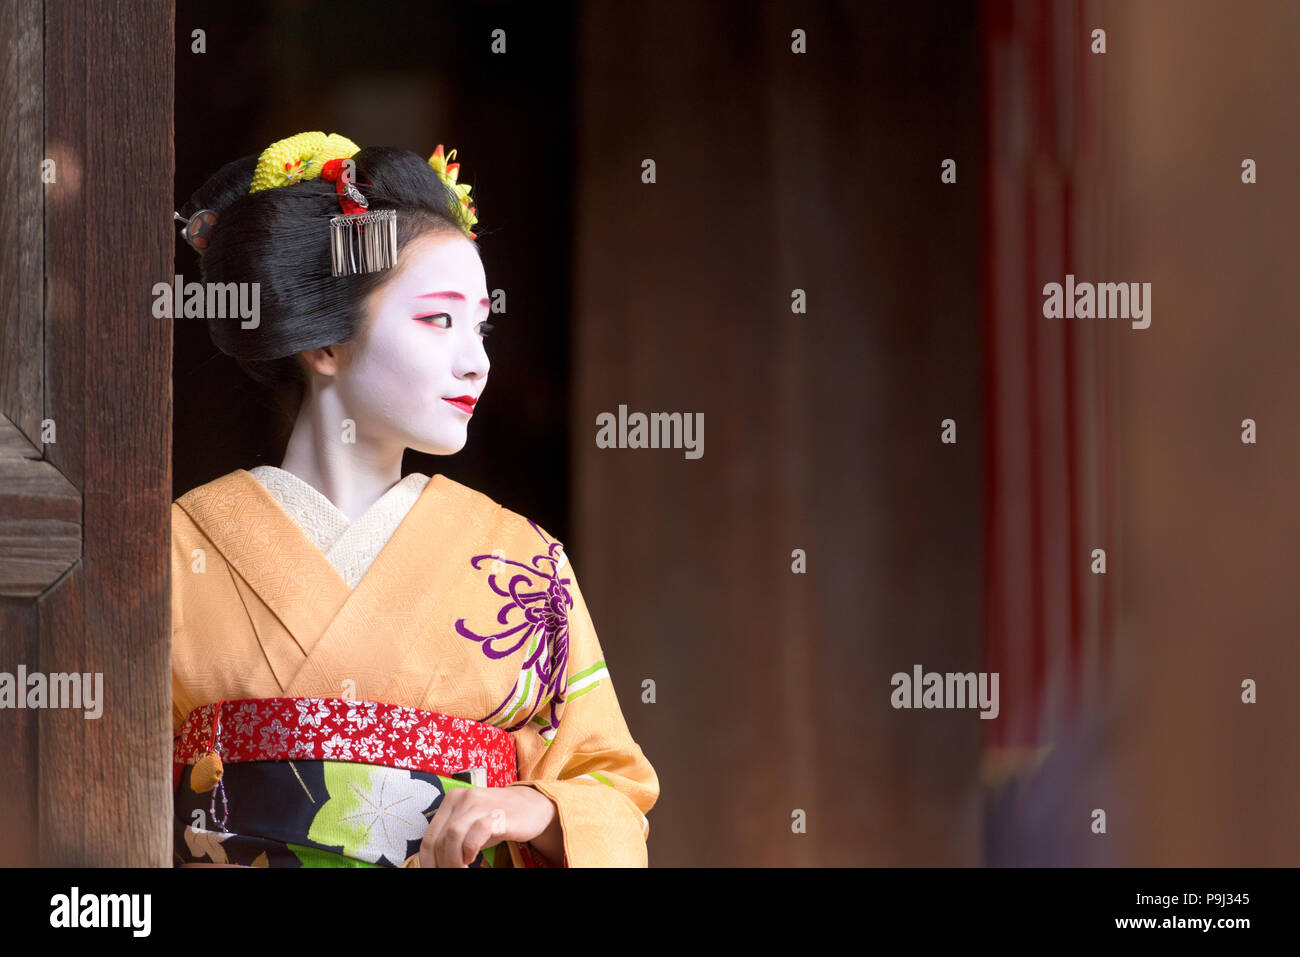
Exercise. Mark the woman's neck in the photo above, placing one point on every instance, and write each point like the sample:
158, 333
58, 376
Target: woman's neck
340, 463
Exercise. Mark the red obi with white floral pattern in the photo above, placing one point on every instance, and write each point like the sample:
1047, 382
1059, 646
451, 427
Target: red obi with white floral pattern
341, 729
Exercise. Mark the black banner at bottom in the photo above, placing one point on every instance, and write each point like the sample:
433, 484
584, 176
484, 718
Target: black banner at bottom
607, 908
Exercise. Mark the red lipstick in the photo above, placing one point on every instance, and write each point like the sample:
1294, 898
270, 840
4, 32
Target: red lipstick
463, 402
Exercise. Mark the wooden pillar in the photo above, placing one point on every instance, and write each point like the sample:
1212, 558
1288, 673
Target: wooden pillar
86, 448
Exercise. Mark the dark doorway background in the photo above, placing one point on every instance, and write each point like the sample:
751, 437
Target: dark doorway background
402, 74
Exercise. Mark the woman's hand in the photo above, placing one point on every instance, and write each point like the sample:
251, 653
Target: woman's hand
471, 819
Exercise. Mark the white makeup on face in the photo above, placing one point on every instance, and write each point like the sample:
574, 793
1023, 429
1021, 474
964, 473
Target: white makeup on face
421, 344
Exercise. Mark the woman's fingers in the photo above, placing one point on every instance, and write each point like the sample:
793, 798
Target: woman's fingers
468, 806
465, 822
433, 835
480, 832
428, 854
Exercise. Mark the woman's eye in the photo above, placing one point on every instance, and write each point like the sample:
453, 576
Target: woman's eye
484, 328
433, 317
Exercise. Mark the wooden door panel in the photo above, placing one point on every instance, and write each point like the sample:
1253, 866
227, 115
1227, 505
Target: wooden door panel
85, 442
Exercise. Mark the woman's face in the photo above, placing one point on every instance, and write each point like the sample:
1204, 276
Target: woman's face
420, 347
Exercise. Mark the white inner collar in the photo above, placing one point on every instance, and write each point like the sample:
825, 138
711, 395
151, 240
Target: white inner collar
351, 547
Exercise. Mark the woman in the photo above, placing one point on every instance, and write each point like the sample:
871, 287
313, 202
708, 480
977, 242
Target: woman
370, 669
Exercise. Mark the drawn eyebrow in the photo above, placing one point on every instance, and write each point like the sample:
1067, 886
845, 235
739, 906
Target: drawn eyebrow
451, 294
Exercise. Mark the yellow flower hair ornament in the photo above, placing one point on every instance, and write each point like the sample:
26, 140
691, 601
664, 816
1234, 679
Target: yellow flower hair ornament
298, 159
447, 172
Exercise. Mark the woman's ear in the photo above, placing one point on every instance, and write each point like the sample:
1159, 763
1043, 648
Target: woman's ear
328, 360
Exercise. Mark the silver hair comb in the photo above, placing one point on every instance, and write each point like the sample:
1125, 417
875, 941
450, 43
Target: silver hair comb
362, 242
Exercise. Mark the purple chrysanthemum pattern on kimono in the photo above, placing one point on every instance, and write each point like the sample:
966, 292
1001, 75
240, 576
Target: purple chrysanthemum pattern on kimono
535, 615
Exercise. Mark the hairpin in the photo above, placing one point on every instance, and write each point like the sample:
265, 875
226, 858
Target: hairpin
361, 240
198, 228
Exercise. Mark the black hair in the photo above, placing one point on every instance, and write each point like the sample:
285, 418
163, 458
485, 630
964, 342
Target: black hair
279, 238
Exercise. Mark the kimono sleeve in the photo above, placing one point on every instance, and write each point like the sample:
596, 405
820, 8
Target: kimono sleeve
598, 778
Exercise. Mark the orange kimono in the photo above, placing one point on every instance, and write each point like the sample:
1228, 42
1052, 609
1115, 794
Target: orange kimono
467, 610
